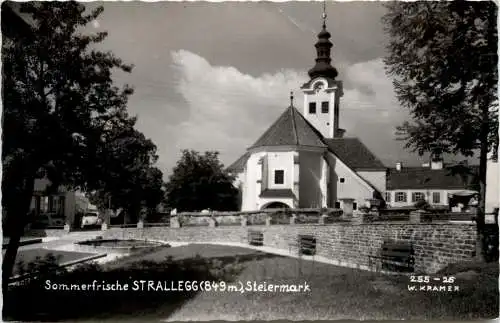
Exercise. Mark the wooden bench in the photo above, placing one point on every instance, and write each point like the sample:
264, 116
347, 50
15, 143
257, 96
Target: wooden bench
395, 256
255, 238
307, 245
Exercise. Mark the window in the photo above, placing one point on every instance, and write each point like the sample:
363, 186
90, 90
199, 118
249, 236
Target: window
436, 197
38, 204
279, 177
51, 204
354, 206
342, 180
417, 196
62, 201
337, 205
324, 107
388, 197
44, 204
400, 197
312, 107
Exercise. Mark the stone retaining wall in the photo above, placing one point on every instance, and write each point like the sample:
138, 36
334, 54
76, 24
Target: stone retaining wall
436, 245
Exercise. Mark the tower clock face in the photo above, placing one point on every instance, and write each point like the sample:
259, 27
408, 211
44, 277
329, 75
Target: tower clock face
318, 87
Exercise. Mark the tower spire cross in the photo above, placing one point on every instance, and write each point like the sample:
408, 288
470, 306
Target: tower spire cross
291, 98
324, 14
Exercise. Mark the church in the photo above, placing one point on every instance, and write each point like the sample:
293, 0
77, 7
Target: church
303, 159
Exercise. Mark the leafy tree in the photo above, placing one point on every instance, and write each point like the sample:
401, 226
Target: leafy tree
128, 179
443, 59
59, 106
200, 182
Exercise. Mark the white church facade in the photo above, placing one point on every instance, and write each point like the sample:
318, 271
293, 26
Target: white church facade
303, 160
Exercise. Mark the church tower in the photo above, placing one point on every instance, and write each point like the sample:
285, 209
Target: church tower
322, 92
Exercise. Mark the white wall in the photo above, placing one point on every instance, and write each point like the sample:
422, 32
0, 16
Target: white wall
280, 161
427, 194
353, 187
377, 178
249, 200
323, 122
252, 189
492, 186
310, 178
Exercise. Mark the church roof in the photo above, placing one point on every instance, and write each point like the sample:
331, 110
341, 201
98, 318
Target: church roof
239, 165
354, 153
291, 129
350, 150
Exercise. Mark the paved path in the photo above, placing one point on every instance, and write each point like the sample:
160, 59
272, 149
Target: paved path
67, 243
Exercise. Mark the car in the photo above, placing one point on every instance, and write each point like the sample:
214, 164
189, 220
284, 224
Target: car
91, 219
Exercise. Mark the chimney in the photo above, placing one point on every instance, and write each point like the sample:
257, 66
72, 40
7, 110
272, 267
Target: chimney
436, 163
399, 165
339, 133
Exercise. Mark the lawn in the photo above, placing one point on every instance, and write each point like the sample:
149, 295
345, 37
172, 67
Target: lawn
336, 292
339, 293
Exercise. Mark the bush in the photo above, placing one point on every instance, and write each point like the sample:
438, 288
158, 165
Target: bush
422, 205
40, 265
364, 209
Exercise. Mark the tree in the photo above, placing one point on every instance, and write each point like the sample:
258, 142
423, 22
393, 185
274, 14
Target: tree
59, 105
127, 175
200, 182
443, 58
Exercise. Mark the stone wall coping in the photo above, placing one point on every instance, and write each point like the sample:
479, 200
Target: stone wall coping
298, 225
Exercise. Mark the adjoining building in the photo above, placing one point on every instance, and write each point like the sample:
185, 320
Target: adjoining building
431, 182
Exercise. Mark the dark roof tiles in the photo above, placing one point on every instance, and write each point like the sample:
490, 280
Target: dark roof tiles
277, 193
354, 153
425, 178
239, 165
291, 129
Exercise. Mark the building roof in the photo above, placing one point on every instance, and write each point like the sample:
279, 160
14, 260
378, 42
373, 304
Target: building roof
239, 165
323, 65
354, 153
426, 178
277, 193
291, 129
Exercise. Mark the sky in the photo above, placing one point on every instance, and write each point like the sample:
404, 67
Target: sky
215, 76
